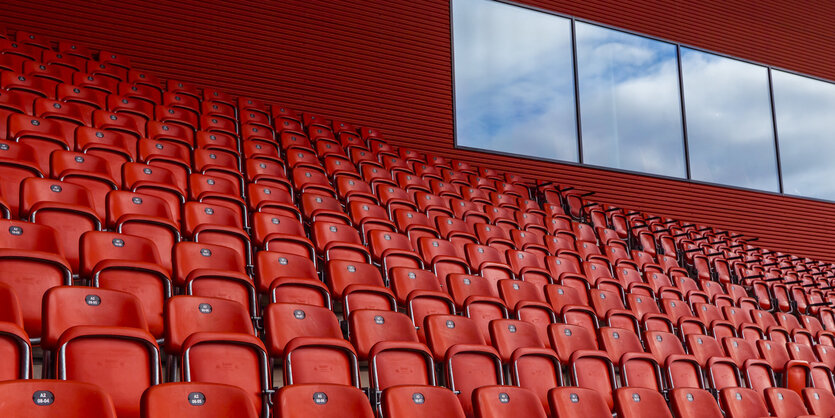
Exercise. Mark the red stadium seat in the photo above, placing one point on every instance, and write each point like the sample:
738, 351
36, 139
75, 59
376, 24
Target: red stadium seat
32, 262
693, 403
308, 337
395, 363
17, 162
53, 398
213, 271
218, 119
131, 123
510, 335
129, 106
444, 257
128, 352
420, 401
594, 370
217, 224
819, 401
316, 207
67, 306
146, 216
741, 403
422, 304
220, 164
186, 315
286, 321
229, 358
157, 181
173, 156
637, 402
784, 403
303, 291
368, 327
66, 207
37, 86
71, 113
506, 402
97, 80
577, 402
346, 279
392, 250
115, 147
215, 141
338, 241
538, 370
445, 331
567, 339
217, 190
89, 171
265, 198
468, 367
193, 400
271, 265
321, 400
127, 263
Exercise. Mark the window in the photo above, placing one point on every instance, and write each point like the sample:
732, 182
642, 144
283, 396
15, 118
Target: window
729, 122
514, 80
634, 103
630, 106
803, 110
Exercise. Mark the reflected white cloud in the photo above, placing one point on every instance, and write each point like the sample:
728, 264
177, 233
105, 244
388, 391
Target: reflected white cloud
514, 93
514, 88
729, 126
629, 102
803, 108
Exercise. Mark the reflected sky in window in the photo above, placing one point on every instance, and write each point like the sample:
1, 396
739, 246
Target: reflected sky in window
804, 109
630, 104
729, 125
514, 81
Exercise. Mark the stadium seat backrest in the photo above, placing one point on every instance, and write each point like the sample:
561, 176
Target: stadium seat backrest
321, 400
193, 400
51, 398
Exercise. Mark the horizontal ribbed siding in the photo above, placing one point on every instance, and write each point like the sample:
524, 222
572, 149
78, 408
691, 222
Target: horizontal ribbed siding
387, 64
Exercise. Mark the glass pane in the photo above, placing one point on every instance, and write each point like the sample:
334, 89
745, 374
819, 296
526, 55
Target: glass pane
803, 108
729, 128
630, 105
514, 80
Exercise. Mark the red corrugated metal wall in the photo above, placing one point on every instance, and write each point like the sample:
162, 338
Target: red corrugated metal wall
387, 64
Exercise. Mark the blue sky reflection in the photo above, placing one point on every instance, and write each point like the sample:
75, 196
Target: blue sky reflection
729, 126
514, 82
803, 108
630, 105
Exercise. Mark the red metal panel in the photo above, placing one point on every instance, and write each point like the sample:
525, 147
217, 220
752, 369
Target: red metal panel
387, 64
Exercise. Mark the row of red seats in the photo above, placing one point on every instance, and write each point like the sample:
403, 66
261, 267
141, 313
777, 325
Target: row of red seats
382, 336
52, 398
70, 399
537, 261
